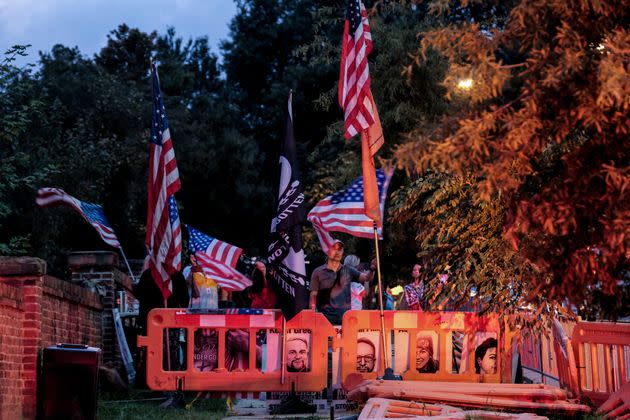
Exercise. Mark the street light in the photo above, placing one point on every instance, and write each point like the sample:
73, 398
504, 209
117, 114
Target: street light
465, 84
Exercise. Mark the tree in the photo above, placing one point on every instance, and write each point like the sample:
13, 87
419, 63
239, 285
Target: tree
543, 133
18, 107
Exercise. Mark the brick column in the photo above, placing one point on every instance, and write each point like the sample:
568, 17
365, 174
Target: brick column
101, 269
24, 275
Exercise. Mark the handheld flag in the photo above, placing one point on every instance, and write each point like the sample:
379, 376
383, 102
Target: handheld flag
286, 256
344, 212
163, 238
214, 248
93, 213
217, 259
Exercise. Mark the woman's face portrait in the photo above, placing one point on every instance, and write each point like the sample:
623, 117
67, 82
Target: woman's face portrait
423, 353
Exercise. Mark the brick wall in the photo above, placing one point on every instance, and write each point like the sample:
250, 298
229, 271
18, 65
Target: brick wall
20, 316
70, 314
37, 310
11, 318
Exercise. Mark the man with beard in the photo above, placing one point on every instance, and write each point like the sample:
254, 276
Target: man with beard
297, 355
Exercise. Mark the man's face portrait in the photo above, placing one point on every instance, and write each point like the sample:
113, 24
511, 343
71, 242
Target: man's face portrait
366, 356
297, 355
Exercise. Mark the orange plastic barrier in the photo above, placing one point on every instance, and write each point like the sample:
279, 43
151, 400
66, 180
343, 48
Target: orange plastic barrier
224, 329
565, 359
450, 335
602, 352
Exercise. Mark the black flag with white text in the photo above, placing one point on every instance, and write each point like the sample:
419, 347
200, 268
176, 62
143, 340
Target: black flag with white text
286, 256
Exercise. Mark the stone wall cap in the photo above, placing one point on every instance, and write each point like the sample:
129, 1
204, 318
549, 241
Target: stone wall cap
93, 259
22, 266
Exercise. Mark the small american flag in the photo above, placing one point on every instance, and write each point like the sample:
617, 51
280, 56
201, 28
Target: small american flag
93, 213
163, 238
217, 259
212, 247
354, 76
344, 211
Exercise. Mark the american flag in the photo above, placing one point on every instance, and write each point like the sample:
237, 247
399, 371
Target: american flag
217, 259
344, 211
93, 213
354, 76
214, 248
163, 238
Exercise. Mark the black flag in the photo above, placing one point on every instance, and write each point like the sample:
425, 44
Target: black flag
286, 256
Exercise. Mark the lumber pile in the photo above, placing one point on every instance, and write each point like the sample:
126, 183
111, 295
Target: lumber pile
502, 397
382, 408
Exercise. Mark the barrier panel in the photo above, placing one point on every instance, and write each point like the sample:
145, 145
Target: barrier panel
438, 346
602, 352
538, 357
236, 352
565, 359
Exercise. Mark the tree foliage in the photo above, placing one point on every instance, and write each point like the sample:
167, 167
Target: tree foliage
518, 187
544, 133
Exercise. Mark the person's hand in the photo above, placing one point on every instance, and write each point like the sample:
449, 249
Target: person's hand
237, 340
373, 265
617, 406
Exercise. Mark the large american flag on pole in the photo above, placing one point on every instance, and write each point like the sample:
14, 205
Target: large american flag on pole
93, 213
163, 237
344, 211
354, 76
217, 259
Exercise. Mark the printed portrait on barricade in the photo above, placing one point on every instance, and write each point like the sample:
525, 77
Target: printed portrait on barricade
427, 353
205, 354
298, 348
486, 353
368, 351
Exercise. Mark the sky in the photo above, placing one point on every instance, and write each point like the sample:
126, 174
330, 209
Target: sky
86, 23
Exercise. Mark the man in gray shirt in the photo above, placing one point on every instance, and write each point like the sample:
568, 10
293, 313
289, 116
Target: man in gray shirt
333, 281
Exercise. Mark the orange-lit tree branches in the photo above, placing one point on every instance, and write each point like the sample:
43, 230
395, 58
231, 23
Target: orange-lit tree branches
543, 132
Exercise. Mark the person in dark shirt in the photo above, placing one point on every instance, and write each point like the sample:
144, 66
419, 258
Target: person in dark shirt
149, 297
330, 284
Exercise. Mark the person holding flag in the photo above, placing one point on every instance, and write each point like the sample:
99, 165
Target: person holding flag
331, 283
285, 254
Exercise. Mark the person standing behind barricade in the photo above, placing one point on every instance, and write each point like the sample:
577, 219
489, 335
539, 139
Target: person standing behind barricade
388, 299
149, 297
415, 293
260, 292
330, 284
357, 290
179, 298
204, 290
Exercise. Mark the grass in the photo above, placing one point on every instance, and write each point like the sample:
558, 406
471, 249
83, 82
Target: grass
138, 405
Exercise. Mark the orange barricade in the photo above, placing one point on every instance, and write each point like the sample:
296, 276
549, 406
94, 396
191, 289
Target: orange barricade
602, 352
223, 352
449, 339
565, 360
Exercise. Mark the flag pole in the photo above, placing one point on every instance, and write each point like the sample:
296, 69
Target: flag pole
284, 349
380, 299
127, 263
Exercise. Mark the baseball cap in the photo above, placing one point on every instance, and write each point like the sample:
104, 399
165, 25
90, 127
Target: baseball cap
337, 243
